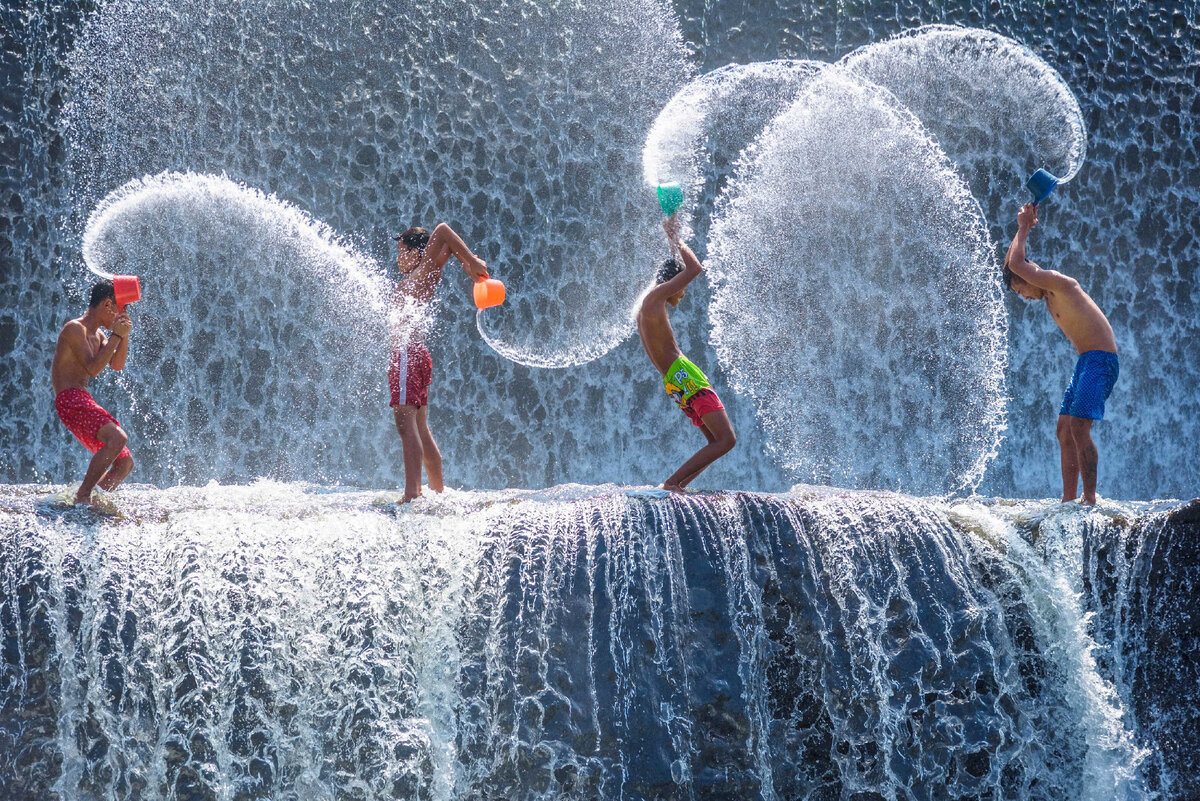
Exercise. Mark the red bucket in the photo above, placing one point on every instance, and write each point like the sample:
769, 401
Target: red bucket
489, 292
127, 289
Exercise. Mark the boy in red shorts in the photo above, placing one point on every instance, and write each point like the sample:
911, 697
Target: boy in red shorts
684, 381
82, 353
420, 258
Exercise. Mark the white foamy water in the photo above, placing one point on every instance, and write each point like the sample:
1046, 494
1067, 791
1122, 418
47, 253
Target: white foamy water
710, 120
856, 298
987, 99
1054, 566
287, 641
260, 334
134, 226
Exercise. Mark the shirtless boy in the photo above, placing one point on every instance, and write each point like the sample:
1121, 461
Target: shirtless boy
1096, 369
82, 353
420, 259
684, 382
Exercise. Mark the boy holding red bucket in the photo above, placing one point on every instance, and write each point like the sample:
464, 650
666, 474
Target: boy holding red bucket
82, 353
420, 258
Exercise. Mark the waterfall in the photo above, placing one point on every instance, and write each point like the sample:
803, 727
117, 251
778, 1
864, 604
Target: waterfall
292, 641
259, 620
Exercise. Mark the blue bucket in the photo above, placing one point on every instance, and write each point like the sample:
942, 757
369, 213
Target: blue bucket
1041, 184
670, 197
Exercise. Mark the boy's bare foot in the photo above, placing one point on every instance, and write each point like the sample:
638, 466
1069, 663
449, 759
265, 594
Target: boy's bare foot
674, 488
1088, 500
408, 498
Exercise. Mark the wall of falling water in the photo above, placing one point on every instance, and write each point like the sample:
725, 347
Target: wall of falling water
279, 640
517, 145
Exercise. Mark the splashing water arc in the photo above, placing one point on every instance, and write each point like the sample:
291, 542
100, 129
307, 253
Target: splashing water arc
242, 291
120, 231
856, 298
520, 123
715, 116
981, 94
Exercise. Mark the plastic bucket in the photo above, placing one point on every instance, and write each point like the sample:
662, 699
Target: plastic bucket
1040, 185
489, 292
670, 197
127, 290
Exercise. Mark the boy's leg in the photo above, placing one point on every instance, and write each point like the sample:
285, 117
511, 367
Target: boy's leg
114, 440
1068, 457
708, 435
410, 438
432, 457
717, 425
1087, 454
117, 473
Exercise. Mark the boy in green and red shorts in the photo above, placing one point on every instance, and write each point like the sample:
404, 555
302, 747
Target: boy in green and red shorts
684, 381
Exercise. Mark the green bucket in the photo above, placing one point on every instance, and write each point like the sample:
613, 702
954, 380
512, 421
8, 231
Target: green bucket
670, 197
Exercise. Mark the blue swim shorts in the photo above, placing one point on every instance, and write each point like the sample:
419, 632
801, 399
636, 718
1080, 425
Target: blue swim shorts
1095, 374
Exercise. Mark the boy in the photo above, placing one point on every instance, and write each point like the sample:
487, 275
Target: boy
82, 354
1096, 370
684, 381
420, 259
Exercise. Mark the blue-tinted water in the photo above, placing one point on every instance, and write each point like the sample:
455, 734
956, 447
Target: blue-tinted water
268, 638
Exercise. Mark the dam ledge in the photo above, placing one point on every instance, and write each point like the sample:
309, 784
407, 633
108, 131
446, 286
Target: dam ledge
713, 645
148, 503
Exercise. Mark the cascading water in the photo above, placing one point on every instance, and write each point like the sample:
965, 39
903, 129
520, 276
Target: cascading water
853, 274
287, 641
311, 641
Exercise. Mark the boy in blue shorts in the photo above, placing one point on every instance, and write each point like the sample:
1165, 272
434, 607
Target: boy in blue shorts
684, 382
1096, 370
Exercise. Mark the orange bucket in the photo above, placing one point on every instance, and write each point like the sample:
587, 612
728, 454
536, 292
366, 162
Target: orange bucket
489, 292
127, 290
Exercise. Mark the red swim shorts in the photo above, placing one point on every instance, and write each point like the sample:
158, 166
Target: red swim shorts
409, 374
84, 418
700, 404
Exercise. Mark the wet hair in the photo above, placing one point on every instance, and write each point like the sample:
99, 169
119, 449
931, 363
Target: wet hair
415, 238
101, 291
1009, 275
668, 270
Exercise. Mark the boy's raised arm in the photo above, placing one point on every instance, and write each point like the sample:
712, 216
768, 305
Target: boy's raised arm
445, 242
1027, 270
691, 265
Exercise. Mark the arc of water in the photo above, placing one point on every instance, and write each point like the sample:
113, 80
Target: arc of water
947, 76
